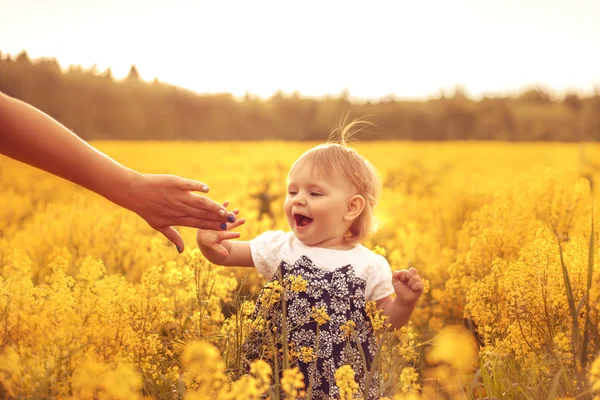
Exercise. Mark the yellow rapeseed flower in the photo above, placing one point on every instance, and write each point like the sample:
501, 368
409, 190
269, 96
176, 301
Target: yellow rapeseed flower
344, 379
297, 283
347, 328
595, 376
409, 380
320, 315
271, 294
292, 383
307, 354
379, 321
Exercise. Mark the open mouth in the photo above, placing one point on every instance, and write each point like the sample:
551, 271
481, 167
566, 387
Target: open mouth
302, 220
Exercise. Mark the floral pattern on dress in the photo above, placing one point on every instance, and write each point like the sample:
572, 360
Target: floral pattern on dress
342, 294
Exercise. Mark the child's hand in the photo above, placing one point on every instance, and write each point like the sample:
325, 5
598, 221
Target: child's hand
213, 240
408, 285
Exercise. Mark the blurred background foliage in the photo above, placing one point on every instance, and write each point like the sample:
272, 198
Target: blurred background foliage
97, 106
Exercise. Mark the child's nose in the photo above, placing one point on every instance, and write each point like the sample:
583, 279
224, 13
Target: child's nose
299, 200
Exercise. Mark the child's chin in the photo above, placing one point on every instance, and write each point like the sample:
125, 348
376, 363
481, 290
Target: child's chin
302, 229
306, 242
302, 234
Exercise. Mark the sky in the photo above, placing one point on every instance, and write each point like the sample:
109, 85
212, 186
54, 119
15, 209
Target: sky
407, 49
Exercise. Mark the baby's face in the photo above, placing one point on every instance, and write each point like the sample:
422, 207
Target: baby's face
315, 207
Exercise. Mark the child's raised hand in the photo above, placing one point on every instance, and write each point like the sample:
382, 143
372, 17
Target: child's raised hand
408, 285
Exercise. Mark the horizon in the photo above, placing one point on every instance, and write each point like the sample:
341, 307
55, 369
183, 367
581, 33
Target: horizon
554, 95
501, 48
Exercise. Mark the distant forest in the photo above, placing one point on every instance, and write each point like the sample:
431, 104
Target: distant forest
95, 105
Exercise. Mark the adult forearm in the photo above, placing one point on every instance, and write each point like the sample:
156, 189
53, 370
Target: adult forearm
30, 136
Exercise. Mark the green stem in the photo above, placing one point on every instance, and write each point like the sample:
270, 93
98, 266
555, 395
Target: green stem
590, 272
374, 365
314, 365
362, 352
284, 332
276, 374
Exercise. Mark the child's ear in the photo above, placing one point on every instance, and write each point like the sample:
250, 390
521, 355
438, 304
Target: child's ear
355, 207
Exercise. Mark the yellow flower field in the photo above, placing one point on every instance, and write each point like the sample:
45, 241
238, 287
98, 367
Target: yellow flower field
96, 304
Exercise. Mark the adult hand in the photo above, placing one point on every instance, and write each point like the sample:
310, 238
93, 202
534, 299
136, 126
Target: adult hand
33, 137
167, 200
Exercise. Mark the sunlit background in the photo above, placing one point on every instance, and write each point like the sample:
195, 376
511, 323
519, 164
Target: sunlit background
378, 48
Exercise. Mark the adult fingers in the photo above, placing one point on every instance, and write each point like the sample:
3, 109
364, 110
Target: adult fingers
201, 202
174, 237
206, 215
208, 225
191, 185
209, 215
231, 217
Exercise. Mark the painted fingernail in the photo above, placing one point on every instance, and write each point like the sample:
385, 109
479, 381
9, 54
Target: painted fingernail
178, 249
231, 218
223, 226
222, 212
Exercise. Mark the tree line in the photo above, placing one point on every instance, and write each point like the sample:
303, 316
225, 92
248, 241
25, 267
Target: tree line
95, 105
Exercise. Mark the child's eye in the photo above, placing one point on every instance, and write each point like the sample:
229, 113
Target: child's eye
315, 194
292, 192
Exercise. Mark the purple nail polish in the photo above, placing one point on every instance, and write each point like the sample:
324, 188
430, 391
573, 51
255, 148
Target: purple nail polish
231, 218
223, 226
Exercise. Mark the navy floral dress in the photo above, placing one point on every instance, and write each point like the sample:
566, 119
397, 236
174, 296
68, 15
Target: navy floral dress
324, 314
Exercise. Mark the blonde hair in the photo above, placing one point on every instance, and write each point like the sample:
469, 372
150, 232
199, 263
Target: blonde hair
337, 157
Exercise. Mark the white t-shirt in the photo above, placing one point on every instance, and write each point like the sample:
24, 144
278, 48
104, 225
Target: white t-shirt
272, 247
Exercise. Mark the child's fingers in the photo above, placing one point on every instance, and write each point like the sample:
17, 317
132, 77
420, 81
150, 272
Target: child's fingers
414, 280
235, 224
411, 272
227, 235
400, 275
213, 239
418, 287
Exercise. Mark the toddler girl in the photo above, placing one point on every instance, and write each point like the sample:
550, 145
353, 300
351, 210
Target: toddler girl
320, 276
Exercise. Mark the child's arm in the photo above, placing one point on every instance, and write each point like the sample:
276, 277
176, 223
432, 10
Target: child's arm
408, 287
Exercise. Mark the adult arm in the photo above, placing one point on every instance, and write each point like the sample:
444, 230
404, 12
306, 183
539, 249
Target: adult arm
31, 136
